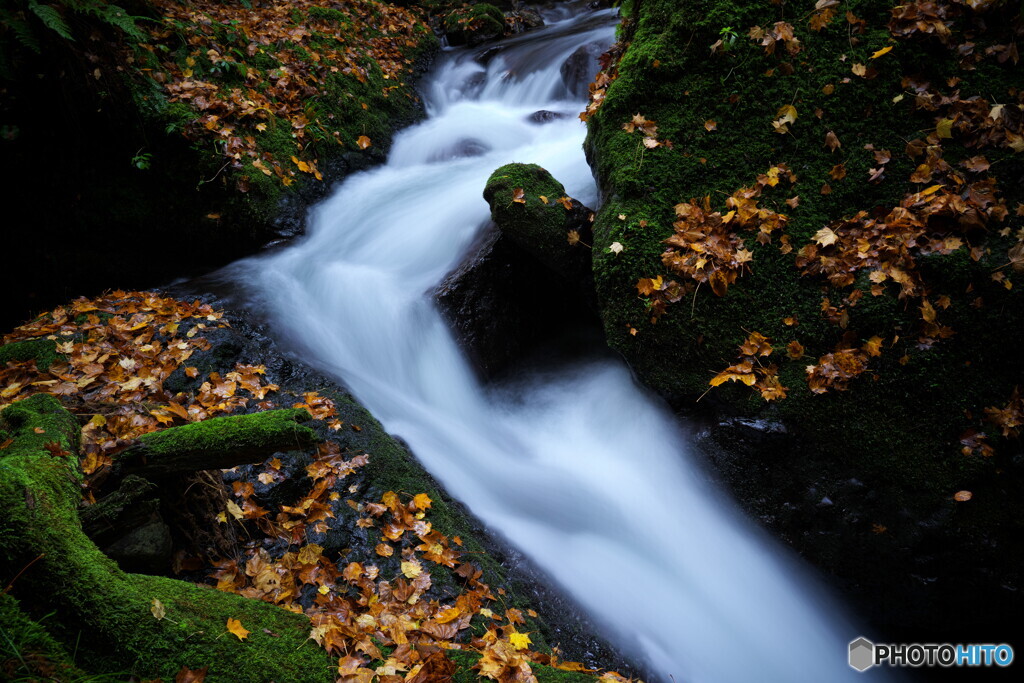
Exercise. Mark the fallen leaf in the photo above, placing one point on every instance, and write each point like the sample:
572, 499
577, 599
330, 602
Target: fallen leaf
187, 675
520, 641
363, 142
157, 608
235, 626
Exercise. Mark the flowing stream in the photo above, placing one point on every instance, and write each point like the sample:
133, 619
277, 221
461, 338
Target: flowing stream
579, 468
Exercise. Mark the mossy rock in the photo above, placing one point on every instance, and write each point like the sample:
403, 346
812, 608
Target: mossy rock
42, 351
474, 24
104, 613
897, 428
524, 201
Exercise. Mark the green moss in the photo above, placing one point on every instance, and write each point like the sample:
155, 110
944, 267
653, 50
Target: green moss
105, 613
36, 421
27, 650
233, 433
482, 21
43, 351
540, 226
667, 75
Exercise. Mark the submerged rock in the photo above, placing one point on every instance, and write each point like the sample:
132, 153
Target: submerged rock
545, 116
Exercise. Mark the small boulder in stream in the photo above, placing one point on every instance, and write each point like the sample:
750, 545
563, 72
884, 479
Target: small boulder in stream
531, 207
528, 278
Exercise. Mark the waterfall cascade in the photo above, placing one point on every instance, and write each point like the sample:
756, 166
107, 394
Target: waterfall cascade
580, 468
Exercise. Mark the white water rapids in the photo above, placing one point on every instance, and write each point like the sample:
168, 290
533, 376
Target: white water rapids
580, 469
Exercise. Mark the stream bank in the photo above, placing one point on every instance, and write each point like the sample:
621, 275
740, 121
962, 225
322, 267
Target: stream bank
834, 305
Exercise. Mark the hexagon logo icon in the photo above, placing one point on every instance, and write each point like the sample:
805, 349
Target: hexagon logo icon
862, 654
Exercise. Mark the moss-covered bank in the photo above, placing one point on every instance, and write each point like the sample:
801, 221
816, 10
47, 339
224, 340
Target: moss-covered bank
721, 103
104, 612
322, 464
164, 141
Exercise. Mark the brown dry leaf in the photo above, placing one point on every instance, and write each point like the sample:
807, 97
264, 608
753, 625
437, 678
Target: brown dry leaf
962, 496
187, 675
363, 142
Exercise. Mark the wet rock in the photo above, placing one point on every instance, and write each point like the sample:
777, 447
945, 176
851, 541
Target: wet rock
579, 70
461, 150
484, 57
545, 116
499, 303
553, 232
145, 549
522, 20
128, 526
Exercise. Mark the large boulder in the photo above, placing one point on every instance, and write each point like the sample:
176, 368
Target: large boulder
766, 186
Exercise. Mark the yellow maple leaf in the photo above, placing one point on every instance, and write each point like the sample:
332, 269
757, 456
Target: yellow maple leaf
520, 641
421, 501
235, 626
412, 569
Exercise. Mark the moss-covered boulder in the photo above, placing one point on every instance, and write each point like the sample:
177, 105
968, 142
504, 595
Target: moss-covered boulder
532, 209
42, 351
145, 625
474, 24
759, 180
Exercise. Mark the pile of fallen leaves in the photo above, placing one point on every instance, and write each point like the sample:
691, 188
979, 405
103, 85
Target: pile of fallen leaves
960, 208
706, 246
265, 65
382, 611
116, 352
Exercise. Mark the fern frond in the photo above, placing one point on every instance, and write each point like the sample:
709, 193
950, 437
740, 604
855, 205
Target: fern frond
51, 18
24, 33
116, 16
